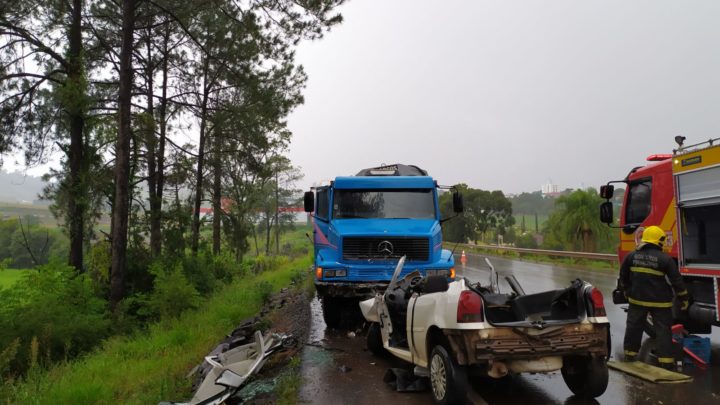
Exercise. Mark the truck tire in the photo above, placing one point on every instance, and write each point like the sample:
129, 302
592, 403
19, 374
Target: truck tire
587, 377
374, 340
332, 312
448, 380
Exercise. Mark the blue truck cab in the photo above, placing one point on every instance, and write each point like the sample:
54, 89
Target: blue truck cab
363, 224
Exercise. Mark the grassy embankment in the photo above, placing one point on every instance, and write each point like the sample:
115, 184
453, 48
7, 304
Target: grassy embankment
8, 277
151, 366
535, 258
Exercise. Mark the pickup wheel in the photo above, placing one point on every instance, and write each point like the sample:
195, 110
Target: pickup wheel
332, 312
448, 380
374, 340
587, 377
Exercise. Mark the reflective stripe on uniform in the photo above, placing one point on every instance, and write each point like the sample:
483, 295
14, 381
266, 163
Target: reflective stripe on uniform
647, 271
681, 293
650, 303
630, 353
666, 360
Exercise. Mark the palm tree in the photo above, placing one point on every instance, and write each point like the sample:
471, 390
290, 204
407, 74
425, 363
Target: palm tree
577, 221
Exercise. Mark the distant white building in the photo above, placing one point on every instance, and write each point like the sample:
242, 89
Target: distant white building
550, 190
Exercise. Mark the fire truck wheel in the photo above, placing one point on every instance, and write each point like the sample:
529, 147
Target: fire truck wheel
332, 312
587, 377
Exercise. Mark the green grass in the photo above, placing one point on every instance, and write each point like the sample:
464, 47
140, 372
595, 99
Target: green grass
42, 213
151, 366
8, 277
289, 385
292, 242
529, 221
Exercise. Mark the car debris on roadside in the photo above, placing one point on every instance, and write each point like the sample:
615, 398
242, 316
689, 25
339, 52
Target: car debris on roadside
229, 366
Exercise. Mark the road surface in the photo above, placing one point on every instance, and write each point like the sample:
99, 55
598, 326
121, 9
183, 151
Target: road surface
337, 368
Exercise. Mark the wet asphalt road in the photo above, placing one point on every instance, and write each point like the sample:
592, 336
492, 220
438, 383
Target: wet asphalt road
338, 369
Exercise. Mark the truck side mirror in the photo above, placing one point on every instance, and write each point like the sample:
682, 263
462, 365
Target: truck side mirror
458, 206
309, 201
607, 191
606, 212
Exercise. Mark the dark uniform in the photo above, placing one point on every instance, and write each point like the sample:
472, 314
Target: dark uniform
648, 277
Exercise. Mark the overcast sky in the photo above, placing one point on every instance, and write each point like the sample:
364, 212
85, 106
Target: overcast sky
508, 94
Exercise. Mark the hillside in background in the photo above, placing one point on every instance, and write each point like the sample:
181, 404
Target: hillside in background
17, 187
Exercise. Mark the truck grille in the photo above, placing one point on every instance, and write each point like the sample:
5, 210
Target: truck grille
416, 249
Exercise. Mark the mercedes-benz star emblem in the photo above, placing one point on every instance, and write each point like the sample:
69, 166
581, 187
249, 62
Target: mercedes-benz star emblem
385, 248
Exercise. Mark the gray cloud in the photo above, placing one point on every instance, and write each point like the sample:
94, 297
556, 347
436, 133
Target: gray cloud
508, 94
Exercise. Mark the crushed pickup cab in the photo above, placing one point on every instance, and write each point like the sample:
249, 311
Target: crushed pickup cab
445, 328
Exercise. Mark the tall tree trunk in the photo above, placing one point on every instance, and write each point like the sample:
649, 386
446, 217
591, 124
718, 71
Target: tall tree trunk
150, 143
156, 204
257, 250
217, 192
76, 196
268, 231
201, 161
122, 159
277, 213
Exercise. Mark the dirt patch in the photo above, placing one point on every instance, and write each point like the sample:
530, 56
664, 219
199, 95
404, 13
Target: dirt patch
287, 312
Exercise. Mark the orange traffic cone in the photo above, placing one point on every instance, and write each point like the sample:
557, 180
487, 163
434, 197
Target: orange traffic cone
463, 258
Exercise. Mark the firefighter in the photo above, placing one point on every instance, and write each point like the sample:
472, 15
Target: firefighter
648, 277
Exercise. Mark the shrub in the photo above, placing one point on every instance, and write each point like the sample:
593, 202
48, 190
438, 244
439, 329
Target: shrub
526, 240
55, 307
265, 289
173, 293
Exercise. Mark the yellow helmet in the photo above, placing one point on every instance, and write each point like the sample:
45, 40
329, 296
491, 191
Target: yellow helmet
654, 234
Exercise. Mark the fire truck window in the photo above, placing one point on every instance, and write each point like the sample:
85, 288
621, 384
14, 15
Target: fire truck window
701, 234
638, 204
321, 211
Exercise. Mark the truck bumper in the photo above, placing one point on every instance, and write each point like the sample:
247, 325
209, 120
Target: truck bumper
486, 345
349, 290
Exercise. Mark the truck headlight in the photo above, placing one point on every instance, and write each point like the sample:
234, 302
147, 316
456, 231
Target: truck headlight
335, 273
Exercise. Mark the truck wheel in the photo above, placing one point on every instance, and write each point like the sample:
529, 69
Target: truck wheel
332, 312
587, 377
448, 380
374, 340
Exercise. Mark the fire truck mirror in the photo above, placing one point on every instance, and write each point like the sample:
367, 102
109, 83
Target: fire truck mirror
607, 191
606, 212
458, 205
309, 201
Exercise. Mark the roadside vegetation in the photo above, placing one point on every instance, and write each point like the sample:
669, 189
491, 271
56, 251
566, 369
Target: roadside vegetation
149, 366
568, 222
172, 191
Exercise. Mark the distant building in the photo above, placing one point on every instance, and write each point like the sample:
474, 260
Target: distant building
550, 190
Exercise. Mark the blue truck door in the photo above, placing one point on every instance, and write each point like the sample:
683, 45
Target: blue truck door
321, 220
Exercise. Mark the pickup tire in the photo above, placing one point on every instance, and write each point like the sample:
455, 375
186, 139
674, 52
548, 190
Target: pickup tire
448, 380
587, 377
374, 340
332, 312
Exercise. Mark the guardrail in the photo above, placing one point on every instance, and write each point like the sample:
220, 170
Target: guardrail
543, 252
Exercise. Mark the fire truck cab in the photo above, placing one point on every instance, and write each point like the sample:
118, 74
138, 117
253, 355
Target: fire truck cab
680, 193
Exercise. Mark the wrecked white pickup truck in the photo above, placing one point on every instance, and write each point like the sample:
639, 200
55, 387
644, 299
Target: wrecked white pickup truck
446, 328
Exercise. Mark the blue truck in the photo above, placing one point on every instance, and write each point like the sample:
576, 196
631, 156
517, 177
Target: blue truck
363, 224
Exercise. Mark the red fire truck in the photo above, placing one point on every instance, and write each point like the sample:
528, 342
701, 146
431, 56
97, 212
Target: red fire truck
680, 193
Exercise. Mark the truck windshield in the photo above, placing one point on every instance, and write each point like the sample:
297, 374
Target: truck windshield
418, 204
